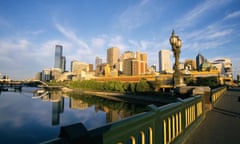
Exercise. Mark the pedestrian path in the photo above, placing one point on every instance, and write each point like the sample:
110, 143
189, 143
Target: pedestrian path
222, 123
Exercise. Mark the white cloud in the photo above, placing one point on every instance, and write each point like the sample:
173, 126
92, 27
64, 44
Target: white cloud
213, 36
13, 46
36, 32
98, 42
72, 36
137, 15
117, 41
218, 34
233, 15
194, 16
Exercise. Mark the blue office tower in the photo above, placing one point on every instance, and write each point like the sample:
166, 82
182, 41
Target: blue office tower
58, 57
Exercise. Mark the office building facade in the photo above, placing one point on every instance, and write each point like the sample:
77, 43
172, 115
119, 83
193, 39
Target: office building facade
224, 65
125, 55
60, 60
164, 61
98, 61
133, 67
113, 57
77, 67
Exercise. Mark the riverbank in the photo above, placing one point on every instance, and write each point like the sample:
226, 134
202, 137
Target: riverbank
140, 98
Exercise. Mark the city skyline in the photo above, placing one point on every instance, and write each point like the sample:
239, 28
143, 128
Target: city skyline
86, 29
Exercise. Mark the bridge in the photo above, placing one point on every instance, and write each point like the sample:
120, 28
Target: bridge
222, 123
37, 82
209, 118
43, 85
17, 85
10, 85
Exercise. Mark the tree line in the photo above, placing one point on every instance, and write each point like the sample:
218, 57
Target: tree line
142, 86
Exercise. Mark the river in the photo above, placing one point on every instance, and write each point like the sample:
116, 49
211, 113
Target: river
26, 117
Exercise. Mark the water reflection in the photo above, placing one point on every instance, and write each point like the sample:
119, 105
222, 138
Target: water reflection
113, 110
33, 115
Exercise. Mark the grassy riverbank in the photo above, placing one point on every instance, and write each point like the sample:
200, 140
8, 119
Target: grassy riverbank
141, 92
109, 86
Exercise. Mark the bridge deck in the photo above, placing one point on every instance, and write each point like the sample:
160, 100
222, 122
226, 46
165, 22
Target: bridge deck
222, 123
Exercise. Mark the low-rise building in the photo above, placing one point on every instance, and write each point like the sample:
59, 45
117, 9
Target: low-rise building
224, 65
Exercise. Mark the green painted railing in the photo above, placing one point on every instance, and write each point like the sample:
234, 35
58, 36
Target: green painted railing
170, 123
161, 125
217, 93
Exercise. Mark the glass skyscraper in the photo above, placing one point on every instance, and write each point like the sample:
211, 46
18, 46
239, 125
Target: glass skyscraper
59, 59
199, 60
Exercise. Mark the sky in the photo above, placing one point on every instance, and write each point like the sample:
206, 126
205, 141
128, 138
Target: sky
30, 29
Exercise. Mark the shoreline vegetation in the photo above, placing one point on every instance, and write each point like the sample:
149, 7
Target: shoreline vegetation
140, 92
137, 91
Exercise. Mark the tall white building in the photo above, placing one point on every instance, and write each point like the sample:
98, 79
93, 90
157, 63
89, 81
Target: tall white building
164, 61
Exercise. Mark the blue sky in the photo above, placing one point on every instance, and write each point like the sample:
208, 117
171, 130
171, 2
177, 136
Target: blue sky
30, 29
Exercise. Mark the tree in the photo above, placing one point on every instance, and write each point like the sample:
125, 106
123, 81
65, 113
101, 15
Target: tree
133, 87
157, 84
142, 86
127, 87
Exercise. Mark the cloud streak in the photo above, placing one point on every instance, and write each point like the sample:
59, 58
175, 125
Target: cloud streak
72, 36
137, 15
194, 16
233, 15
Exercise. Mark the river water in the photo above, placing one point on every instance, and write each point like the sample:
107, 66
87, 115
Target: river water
26, 117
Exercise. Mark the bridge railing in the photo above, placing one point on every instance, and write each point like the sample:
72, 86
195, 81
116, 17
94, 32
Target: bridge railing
161, 125
217, 93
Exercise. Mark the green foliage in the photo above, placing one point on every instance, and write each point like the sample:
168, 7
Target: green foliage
142, 86
212, 82
207, 81
127, 87
133, 87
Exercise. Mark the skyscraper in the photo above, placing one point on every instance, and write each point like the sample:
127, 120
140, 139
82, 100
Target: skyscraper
112, 57
60, 60
199, 60
63, 63
58, 56
98, 61
164, 61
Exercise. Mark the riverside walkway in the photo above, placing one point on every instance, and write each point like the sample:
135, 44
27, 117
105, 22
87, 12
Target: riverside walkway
222, 123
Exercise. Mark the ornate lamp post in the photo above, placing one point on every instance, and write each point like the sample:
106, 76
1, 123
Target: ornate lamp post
176, 44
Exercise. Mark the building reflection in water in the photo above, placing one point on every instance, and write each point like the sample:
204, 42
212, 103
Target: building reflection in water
57, 103
78, 104
112, 114
57, 106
